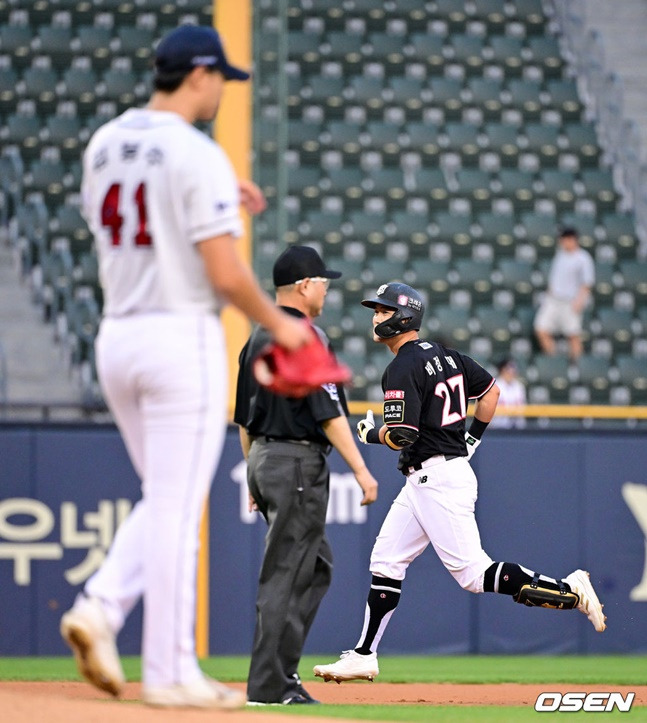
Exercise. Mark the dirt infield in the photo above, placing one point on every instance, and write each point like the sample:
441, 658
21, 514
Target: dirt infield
22, 702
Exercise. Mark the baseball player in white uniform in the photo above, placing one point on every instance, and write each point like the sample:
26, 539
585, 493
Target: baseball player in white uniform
162, 202
426, 391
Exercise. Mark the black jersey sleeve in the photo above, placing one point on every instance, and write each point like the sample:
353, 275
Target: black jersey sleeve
478, 380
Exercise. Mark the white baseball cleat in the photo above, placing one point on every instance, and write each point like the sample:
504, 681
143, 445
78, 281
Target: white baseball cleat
350, 666
589, 603
201, 693
86, 630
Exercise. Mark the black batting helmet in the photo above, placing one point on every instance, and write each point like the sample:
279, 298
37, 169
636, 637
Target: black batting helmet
408, 304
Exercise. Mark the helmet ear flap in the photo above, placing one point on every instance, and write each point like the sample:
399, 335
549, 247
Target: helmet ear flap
393, 326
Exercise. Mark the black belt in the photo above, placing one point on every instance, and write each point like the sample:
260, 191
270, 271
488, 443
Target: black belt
303, 442
418, 466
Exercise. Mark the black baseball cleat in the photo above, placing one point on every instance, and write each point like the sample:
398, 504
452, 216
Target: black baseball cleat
299, 699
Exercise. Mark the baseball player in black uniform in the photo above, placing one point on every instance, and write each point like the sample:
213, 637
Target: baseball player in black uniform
286, 442
427, 388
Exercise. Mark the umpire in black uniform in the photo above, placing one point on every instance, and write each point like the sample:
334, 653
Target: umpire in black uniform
286, 442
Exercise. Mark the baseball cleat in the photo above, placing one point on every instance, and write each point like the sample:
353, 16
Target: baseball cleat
589, 604
202, 693
86, 630
350, 666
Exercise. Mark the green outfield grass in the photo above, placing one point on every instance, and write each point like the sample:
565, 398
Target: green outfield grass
605, 670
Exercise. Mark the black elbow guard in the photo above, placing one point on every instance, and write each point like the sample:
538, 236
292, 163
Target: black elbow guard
398, 437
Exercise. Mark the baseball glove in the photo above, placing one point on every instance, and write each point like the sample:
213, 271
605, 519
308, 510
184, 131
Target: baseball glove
300, 372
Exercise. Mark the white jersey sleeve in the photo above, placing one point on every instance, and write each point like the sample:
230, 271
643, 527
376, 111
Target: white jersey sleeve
153, 187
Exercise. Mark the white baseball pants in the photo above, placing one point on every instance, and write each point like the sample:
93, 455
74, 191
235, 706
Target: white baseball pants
164, 378
436, 505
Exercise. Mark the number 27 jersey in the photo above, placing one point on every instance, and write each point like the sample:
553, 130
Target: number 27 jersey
427, 388
153, 187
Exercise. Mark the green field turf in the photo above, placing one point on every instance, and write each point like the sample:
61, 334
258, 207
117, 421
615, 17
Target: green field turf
604, 670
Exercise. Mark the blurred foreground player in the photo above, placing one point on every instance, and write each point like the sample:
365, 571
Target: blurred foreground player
426, 391
163, 204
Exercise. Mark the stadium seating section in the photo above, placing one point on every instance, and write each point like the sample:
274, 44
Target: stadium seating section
442, 143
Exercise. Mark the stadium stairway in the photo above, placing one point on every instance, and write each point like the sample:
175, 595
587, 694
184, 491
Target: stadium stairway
36, 368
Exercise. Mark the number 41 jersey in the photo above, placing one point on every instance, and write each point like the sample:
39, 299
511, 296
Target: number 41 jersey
427, 388
154, 186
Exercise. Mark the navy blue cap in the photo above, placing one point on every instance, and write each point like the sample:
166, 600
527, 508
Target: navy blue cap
191, 46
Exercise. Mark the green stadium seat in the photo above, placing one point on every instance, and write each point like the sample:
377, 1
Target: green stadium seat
475, 185
423, 137
559, 187
137, 44
388, 183
492, 13
633, 373
24, 131
344, 136
620, 230
368, 93
503, 139
368, 227
15, 41
495, 325
517, 277
65, 133
326, 91
475, 277
453, 13
446, 94
40, 86
432, 185
70, 224
517, 186
462, 138
304, 48
345, 48
409, 94
593, 371
455, 230
506, 52
531, 14
95, 42
449, 325
56, 43
498, 230
325, 226
411, 228
615, 324
388, 49
57, 268
543, 140
347, 182
384, 138
428, 48
431, 275
545, 53
598, 184
80, 86
583, 141
47, 179
540, 230
564, 98
468, 51
485, 94
525, 95
634, 275
8, 94
604, 287
552, 372
119, 86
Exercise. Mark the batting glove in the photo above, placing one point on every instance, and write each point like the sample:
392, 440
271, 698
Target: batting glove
472, 443
364, 426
